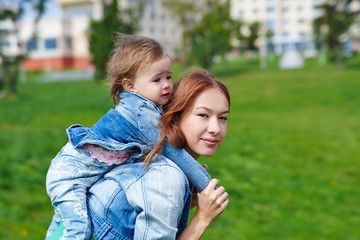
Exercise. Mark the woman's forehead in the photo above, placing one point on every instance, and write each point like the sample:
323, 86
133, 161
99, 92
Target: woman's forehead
212, 99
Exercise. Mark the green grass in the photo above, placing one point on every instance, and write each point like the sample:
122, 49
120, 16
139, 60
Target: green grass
290, 161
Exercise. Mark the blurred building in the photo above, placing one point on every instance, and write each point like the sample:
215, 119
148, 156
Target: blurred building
289, 20
62, 41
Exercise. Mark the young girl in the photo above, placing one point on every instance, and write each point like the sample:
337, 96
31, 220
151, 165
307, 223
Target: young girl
140, 82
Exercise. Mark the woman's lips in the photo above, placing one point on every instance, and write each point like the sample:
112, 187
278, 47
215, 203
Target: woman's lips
210, 142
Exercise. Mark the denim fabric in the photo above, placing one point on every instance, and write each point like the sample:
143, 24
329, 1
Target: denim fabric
70, 175
135, 121
131, 126
156, 198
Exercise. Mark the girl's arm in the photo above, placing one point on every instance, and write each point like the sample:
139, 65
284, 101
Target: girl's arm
211, 203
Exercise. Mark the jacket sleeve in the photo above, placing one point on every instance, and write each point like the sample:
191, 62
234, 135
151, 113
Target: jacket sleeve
196, 174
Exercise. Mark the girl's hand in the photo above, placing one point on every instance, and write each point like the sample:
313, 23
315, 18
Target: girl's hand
211, 202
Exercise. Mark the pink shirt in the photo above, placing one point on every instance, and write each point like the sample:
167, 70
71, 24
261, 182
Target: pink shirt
107, 156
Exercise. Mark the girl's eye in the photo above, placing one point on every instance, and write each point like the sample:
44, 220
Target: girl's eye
223, 118
168, 77
157, 80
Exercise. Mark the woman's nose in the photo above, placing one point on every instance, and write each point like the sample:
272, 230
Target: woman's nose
214, 126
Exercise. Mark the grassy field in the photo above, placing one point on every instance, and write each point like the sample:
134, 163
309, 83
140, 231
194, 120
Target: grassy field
290, 161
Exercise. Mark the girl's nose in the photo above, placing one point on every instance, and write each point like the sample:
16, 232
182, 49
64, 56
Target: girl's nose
166, 85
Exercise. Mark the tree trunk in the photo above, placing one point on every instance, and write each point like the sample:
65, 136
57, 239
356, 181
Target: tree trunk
338, 58
13, 84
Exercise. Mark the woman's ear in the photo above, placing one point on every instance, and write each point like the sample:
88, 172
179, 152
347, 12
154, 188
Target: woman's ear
128, 85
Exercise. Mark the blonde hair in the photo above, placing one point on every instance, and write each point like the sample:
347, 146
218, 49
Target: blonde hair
186, 89
131, 54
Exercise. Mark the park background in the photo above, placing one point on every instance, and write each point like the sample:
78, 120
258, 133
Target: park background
290, 160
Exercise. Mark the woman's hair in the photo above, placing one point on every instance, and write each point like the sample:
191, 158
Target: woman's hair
131, 54
186, 89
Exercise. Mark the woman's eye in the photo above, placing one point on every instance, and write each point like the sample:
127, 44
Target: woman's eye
223, 118
202, 115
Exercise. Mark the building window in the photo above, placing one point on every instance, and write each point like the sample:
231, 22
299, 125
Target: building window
301, 21
270, 9
270, 23
240, 13
285, 21
255, 10
152, 10
68, 45
141, 14
32, 44
50, 43
4, 45
285, 9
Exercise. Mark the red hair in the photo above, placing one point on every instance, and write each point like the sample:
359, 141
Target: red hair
186, 89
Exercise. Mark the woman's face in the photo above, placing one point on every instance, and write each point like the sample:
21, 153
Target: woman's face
204, 123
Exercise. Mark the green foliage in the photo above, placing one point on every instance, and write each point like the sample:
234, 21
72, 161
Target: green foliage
248, 40
334, 22
289, 161
10, 65
208, 31
102, 33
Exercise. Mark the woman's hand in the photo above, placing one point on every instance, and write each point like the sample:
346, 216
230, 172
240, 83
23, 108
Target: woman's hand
211, 202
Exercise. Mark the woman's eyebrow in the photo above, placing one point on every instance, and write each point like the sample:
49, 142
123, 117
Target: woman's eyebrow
210, 110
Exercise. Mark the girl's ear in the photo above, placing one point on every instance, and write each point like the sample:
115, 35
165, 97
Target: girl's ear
128, 85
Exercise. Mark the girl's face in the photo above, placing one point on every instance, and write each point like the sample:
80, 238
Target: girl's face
204, 123
154, 82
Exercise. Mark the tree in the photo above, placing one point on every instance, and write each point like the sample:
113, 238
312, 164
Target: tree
102, 33
12, 13
333, 25
207, 31
248, 39
188, 13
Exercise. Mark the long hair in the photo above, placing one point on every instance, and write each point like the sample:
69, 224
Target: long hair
131, 54
186, 89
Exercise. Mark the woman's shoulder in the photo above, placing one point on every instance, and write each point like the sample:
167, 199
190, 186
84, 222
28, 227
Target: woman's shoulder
167, 167
163, 169
162, 179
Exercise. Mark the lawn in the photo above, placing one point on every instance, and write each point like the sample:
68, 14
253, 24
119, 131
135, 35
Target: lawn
290, 161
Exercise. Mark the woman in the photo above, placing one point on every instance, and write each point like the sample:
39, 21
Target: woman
153, 202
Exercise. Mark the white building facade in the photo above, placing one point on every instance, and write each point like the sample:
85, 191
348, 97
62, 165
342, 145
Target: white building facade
62, 41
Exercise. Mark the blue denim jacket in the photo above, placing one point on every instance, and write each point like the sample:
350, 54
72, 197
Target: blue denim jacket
133, 123
157, 199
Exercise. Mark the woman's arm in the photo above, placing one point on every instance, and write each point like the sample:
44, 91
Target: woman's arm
211, 203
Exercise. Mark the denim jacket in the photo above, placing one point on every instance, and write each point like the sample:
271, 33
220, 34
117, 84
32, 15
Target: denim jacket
126, 195
131, 125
